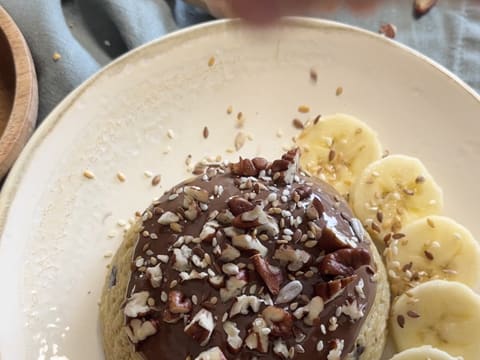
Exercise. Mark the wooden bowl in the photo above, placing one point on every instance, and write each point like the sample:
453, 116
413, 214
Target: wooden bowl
18, 92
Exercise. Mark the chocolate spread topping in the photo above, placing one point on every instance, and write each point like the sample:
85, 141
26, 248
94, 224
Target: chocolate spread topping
255, 259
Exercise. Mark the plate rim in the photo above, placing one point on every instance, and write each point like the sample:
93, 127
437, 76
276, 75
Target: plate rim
14, 178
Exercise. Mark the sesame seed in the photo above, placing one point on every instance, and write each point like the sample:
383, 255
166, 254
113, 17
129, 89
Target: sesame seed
229, 109
279, 133
156, 180
379, 216
239, 141
413, 314
205, 132
430, 223
339, 91
313, 75
320, 345
173, 284
88, 174
331, 155
170, 134
148, 174
303, 109
297, 124
401, 321
56, 56
428, 255
211, 61
240, 120
420, 179
108, 254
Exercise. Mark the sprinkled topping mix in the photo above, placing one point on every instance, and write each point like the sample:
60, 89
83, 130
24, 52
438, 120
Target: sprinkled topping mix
249, 260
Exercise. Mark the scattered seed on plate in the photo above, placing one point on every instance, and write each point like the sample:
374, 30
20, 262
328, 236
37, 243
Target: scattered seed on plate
148, 174
88, 174
331, 155
229, 109
206, 132
313, 75
298, 124
156, 180
303, 109
279, 133
108, 254
428, 255
317, 119
339, 91
188, 160
420, 179
430, 223
170, 134
239, 140
56, 56
413, 314
211, 61
240, 120
121, 177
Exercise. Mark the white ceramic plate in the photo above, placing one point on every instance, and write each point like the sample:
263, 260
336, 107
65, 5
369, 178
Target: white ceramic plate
56, 224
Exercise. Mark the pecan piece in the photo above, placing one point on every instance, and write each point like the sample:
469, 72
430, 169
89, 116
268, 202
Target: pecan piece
260, 163
238, 205
244, 167
234, 341
177, 303
201, 327
212, 354
279, 321
303, 191
344, 262
271, 275
331, 289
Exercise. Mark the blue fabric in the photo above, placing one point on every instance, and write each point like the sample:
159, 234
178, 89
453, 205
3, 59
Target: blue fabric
90, 33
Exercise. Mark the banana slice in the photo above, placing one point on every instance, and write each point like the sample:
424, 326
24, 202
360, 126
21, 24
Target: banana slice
423, 353
337, 148
393, 192
443, 314
431, 248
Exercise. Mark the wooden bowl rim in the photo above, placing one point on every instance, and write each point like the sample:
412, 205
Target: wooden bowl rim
22, 119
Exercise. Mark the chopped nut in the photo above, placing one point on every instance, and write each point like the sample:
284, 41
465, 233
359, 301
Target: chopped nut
344, 262
233, 286
389, 30
137, 305
201, 327
212, 354
278, 320
234, 340
331, 289
258, 336
243, 303
271, 275
178, 303
138, 330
